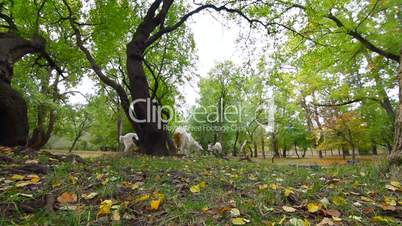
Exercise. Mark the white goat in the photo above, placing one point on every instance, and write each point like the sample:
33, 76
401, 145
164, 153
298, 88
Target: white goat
130, 141
216, 149
184, 142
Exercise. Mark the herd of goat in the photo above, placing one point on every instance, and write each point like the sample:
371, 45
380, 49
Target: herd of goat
184, 142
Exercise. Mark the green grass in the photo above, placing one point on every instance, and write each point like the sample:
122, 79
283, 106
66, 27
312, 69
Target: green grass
229, 184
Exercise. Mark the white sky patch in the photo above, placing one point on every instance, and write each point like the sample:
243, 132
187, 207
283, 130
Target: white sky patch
86, 87
215, 43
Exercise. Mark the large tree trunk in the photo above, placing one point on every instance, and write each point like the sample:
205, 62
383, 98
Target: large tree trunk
13, 110
153, 138
13, 117
396, 156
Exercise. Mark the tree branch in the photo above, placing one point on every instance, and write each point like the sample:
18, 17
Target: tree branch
347, 102
118, 88
363, 40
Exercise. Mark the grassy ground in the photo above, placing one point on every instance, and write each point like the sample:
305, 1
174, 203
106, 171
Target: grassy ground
307, 161
142, 190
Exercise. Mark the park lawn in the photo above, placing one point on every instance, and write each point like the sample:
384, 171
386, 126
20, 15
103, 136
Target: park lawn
143, 190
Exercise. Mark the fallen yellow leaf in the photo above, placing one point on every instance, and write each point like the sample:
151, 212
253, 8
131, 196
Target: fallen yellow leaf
20, 184
155, 204
17, 177
338, 200
202, 184
195, 188
72, 179
56, 183
381, 219
390, 201
396, 184
313, 207
274, 186
143, 197
239, 221
34, 178
104, 208
288, 191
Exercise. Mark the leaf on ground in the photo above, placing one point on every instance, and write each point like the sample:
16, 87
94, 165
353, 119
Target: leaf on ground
396, 184
356, 218
389, 201
143, 197
299, 222
288, 209
239, 221
388, 207
331, 213
202, 184
116, 215
338, 200
383, 220
313, 207
72, 179
155, 204
325, 222
34, 178
68, 207
288, 191
21, 184
366, 199
17, 177
89, 196
262, 186
67, 197
390, 187
56, 183
325, 202
25, 195
195, 189
104, 208
337, 219
274, 186
31, 161
234, 212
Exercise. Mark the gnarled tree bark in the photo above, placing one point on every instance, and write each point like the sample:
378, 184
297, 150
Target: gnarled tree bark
13, 109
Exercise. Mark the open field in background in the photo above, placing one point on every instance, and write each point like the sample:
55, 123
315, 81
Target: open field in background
83, 154
292, 160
